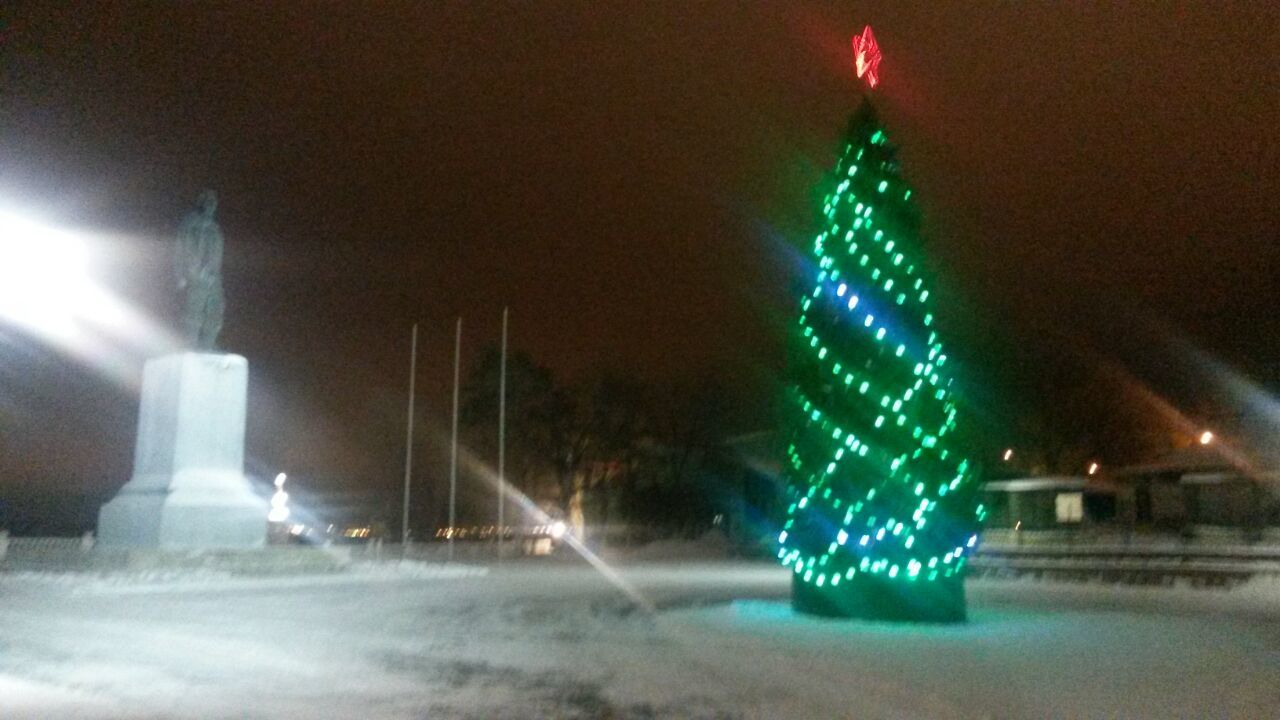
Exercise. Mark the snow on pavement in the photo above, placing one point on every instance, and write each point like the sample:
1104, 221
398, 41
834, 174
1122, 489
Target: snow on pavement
535, 640
26, 700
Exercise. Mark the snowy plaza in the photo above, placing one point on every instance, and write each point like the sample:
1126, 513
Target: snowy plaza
560, 640
639, 361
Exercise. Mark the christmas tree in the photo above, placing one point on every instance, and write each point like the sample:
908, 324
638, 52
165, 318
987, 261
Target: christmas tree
882, 513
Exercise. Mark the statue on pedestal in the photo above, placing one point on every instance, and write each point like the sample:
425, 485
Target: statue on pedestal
188, 490
198, 264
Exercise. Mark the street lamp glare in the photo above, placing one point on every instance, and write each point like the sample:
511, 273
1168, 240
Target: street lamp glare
279, 502
43, 276
1206, 437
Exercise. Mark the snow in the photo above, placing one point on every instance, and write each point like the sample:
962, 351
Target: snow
149, 582
25, 699
536, 639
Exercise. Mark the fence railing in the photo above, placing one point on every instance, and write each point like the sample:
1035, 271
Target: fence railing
52, 551
1139, 559
1195, 536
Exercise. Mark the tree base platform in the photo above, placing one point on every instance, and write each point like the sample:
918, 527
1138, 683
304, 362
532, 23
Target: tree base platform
877, 598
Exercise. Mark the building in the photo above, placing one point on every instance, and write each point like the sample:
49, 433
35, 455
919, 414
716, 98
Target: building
1043, 503
1195, 490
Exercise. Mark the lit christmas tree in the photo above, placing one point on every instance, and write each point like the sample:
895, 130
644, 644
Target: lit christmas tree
882, 513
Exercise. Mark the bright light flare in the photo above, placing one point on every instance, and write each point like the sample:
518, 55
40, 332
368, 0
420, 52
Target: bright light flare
44, 280
279, 502
47, 291
1206, 437
558, 529
570, 539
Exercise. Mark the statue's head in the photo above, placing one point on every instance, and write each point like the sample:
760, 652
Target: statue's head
207, 202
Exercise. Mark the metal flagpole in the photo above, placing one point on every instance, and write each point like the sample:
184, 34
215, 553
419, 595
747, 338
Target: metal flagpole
408, 443
453, 456
502, 436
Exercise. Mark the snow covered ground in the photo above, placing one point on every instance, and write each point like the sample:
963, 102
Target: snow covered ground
555, 640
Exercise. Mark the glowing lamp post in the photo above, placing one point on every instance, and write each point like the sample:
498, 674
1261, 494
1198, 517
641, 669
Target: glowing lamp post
279, 502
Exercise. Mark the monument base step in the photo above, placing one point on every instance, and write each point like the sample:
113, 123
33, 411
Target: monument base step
178, 521
266, 561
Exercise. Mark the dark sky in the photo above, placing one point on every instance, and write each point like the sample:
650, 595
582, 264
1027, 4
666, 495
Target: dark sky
630, 178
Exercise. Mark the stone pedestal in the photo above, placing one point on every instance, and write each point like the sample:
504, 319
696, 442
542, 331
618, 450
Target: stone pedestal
188, 489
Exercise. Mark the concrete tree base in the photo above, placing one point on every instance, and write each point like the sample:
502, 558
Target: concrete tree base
876, 598
188, 489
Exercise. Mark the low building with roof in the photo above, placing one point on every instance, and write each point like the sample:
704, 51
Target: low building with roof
1198, 490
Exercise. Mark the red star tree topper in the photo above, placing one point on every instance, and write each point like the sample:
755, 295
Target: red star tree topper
866, 57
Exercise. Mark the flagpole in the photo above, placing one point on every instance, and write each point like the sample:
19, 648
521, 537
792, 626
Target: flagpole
453, 455
502, 437
408, 443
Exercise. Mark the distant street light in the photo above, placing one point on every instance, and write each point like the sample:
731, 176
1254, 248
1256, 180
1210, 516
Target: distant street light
1008, 455
1206, 437
1093, 468
279, 502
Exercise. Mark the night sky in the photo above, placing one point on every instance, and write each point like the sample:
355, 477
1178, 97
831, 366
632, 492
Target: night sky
634, 180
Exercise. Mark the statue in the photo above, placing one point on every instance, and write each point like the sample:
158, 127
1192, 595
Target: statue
188, 490
199, 269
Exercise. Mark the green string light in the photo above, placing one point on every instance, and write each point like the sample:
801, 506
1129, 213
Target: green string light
872, 448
